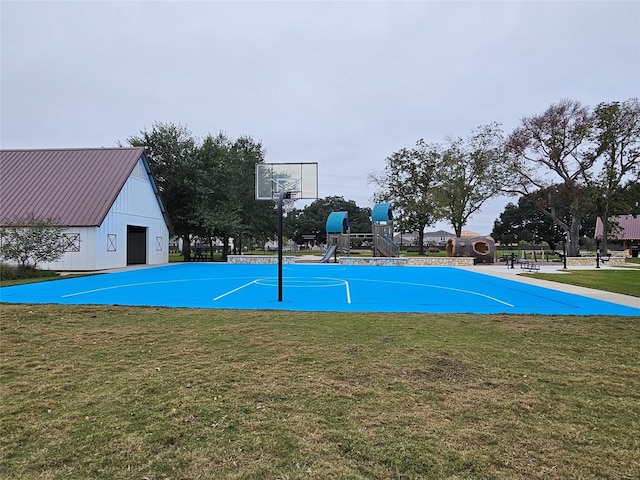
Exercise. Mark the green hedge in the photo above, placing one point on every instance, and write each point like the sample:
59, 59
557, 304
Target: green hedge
19, 272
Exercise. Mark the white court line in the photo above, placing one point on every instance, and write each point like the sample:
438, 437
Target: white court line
235, 289
257, 280
470, 292
313, 282
127, 285
115, 287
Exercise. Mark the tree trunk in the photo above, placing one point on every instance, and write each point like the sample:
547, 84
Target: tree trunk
421, 240
225, 248
211, 246
457, 228
605, 227
186, 247
573, 245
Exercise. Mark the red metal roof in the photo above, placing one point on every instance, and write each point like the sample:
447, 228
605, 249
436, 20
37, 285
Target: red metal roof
622, 227
77, 187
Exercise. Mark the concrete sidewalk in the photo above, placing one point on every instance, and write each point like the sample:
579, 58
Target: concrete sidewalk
502, 271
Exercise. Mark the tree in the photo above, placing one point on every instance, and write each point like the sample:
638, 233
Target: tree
218, 216
408, 182
258, 217
170, 150
229, 207
549, 149
616, 137
631, 196
312, 220
470, 172
30, 240
514, 225
452, 181
208, 188
527, 222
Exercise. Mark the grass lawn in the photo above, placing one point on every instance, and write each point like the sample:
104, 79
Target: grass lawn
107, 392
626, 281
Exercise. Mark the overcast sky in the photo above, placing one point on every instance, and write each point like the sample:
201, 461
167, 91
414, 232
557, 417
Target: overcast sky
344, 84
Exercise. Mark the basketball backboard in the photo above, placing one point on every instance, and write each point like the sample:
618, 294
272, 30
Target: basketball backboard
298, 180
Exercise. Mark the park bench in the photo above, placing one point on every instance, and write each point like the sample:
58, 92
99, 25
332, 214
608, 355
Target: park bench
531, 266
199, 255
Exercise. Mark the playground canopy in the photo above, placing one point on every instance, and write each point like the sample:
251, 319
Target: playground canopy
381, 213
338, 222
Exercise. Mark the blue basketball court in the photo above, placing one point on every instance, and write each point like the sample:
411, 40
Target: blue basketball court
313, 288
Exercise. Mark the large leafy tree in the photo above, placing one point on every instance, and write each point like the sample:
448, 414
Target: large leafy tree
527, 222
470, 172
171, 152
552, 148
312, 220
208, 187
258, 217
631, 196
443, 181
519, 223
616, 137
219, 216
231, 208
408, 182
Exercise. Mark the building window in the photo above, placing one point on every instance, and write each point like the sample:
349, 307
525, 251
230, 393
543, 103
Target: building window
70, 242
112, 242
158, 244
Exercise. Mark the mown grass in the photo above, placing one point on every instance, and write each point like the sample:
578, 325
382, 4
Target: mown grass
107, 392
625, 281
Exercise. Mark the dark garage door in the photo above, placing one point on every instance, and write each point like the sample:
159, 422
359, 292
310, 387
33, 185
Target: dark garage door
136, 245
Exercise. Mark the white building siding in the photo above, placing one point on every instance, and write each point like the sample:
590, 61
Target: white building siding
79, 244
105, 247
136, 205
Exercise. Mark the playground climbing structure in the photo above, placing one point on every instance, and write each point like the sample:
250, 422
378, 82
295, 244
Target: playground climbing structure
382, 220
338, 232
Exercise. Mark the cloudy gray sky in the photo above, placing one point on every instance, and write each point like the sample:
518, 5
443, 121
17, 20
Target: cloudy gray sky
344, 84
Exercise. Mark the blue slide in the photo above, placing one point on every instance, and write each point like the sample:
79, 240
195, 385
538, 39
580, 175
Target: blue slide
327, 255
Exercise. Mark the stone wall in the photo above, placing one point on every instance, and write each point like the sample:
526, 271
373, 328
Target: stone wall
591, 262
373, 261
413, 261
258, 259
402, 261
441, 261
362, 261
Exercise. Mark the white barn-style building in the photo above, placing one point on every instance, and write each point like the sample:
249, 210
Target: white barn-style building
105, 197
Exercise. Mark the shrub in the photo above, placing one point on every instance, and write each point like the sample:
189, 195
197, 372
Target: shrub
19, 272
30, 240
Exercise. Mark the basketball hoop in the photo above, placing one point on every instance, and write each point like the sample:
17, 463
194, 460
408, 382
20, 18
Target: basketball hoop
300, 180
285, 181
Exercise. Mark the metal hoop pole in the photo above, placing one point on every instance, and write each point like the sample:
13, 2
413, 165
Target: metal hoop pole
280, 200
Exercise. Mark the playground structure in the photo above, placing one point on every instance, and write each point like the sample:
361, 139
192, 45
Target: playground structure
482, 249
382, 220
339, 233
